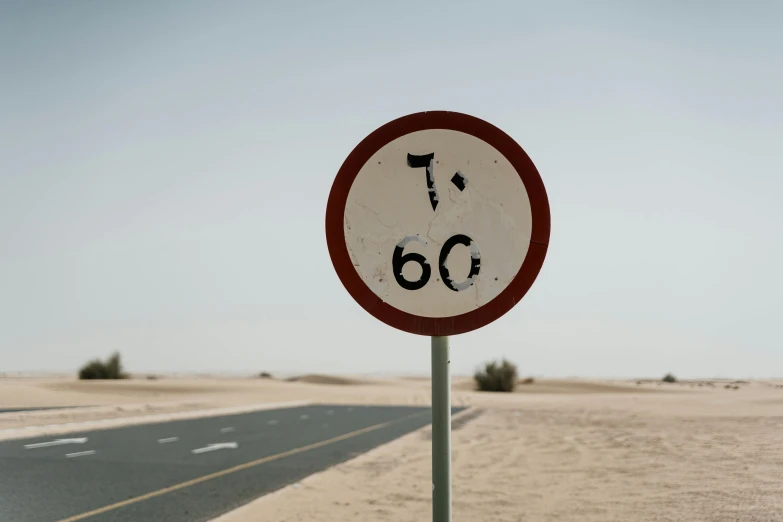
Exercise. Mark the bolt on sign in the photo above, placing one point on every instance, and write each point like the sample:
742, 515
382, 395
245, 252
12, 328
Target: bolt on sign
437, 223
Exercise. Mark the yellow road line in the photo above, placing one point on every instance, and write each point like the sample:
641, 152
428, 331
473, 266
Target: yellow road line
240, 467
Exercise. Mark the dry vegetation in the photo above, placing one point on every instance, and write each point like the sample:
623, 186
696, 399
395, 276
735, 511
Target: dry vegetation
97, 369
497, 377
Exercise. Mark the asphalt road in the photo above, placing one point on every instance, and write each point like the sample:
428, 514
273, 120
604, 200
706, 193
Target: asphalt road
168, 471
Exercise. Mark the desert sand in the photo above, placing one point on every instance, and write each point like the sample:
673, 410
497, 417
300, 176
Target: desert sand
559, 450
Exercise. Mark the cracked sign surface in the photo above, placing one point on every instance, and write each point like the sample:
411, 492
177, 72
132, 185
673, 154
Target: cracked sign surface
437, 223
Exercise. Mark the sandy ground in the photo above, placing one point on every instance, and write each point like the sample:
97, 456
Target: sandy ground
81, 401
554, 451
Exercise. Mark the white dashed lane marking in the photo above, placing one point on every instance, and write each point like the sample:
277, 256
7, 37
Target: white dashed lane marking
79, 454
215, 447
166, 441
226, 430
57, 442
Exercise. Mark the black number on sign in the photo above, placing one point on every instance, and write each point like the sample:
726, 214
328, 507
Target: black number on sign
427, 161
399, 260
475, 262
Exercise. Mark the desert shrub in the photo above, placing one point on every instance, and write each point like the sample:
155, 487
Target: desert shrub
497, 377
114, 367
97, 369
265, 375
94, 369
669, 378
528, 380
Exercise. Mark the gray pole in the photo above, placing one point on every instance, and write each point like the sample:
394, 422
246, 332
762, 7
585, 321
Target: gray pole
441, 431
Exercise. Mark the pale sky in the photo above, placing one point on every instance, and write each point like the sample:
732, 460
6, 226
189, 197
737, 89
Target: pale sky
165, 166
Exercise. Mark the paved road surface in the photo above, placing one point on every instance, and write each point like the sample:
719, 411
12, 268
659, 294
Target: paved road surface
168, 471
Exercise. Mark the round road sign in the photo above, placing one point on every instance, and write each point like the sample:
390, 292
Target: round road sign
437, 223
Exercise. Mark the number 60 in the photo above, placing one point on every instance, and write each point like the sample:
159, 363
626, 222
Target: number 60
399, 260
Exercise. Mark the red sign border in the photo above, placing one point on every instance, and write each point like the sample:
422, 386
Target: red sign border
502, 303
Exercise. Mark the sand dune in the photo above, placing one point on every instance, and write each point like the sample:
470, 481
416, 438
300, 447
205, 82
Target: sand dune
332, 380
560, 386
139, 388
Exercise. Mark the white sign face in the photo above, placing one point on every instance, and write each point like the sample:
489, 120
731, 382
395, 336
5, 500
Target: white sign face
437, 223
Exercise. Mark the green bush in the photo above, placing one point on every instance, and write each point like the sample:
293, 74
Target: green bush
496, 377
97, 369
669, 378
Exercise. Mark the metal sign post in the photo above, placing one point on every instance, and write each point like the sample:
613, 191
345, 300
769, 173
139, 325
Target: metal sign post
441, 431
437, 224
